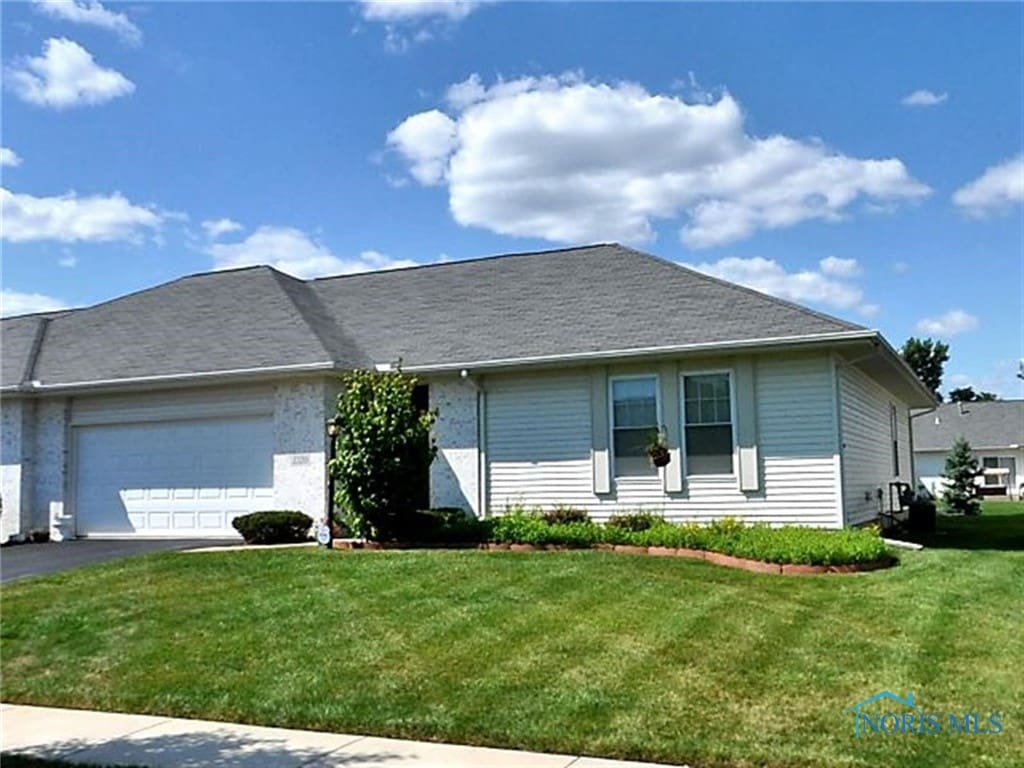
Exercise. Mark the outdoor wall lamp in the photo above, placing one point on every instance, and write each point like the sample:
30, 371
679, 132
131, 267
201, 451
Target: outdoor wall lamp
333, 429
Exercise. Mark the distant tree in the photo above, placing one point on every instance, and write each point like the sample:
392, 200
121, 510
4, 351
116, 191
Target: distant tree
960, 495
927, 359
968, 395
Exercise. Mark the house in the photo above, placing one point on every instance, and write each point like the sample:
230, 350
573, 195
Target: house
995, 431
169, 411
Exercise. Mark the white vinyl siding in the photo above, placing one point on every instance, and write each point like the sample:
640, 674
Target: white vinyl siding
867, 456
538, 441
539, 450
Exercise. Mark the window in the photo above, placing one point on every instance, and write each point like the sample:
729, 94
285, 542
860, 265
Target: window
634, 421
998, 471
894, 436
708, 417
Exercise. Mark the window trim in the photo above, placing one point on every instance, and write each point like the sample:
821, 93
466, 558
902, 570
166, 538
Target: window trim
611, 417
731, 373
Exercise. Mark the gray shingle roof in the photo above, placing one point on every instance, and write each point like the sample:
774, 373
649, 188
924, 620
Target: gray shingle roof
19, 337
211, 322
573, 301
997, 424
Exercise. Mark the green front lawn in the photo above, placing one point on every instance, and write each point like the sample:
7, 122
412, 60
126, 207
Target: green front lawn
592, 652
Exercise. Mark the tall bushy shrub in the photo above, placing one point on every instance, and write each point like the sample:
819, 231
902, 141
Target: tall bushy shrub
960, 495
384, 452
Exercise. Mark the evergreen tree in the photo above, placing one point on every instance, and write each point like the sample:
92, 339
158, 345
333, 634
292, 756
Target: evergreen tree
959, 496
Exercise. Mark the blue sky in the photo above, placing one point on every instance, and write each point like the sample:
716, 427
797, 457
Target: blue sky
865, 160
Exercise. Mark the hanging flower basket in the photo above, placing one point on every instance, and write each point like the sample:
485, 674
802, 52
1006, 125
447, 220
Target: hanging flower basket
657, 449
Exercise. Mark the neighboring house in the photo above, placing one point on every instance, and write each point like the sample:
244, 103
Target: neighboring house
169, 411
995, 431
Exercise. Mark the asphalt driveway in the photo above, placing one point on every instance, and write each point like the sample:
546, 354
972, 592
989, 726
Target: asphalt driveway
21, 561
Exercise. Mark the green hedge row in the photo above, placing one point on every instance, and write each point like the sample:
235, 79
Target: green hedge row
784, 545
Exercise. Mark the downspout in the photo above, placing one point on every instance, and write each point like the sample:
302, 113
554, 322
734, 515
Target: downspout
481, 441
838, 405
915, 481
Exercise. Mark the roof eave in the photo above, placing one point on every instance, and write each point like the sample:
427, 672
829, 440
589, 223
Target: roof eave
778, 343
170, 380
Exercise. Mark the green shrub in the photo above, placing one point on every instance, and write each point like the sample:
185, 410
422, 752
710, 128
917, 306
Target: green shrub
787, 544
564, 514
384, 452
636, 521
273, 527
445, 525
534, 529
518, 528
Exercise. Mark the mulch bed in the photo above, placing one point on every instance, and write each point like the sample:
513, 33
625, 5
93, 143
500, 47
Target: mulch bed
717, 558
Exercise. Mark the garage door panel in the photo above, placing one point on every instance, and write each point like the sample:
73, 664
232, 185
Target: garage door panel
181, 478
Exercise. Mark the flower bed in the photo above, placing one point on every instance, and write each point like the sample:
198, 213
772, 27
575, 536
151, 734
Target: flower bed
759, 548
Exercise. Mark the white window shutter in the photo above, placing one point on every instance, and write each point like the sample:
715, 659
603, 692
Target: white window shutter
600, 452
745, 420
672, 421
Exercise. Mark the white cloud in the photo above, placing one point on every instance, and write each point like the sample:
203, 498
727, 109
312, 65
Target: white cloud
900, 267
998, 189
923, 98
92, 13
8, 157
18, 303
425, 140
569, 160
416, 10
953, 322
407, 22
65, 76
217, 227
70, 218
806, 286
465, 94
833, 265
296, 253
67, 259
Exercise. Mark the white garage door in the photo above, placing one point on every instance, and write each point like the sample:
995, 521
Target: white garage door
173, 478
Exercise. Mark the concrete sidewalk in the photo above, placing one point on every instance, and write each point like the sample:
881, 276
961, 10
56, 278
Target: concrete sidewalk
108, 738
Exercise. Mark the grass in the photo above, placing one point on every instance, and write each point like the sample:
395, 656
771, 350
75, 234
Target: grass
574, 652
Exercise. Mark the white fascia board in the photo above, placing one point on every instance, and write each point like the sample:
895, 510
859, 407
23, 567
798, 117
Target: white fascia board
208, 377
677, 349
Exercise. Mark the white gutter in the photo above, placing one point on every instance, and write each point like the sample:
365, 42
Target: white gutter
775, 341
39, 387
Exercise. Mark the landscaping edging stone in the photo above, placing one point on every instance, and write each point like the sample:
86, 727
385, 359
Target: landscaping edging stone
718, 558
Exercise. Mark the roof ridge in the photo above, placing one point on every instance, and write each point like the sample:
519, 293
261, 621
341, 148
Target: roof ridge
287, 283
158, 286
300, 310
746, 289
33, 352
458, 262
